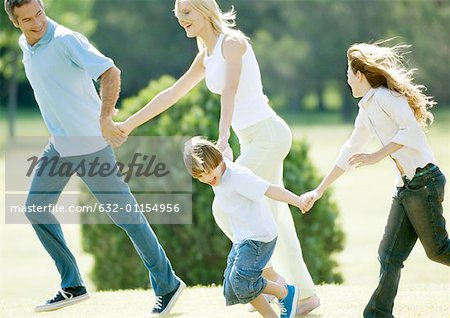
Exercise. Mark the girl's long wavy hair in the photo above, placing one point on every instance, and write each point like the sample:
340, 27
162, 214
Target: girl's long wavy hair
385, 66
222, 22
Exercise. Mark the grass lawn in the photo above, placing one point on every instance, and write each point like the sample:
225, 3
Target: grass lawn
28, 275
338, 301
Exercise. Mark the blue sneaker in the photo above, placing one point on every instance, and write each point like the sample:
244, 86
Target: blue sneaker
288, 305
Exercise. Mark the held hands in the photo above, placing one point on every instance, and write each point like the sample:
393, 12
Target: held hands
222, 143
112, 134
307, 200
224, 147
228, 153
125, 127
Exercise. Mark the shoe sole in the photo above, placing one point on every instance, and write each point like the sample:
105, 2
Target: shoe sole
172, 301
61, 304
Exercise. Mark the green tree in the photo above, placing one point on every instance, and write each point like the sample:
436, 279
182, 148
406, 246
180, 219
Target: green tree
300, 45
427, 32
144, 40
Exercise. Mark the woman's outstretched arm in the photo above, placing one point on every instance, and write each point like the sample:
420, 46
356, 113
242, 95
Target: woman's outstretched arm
167, 97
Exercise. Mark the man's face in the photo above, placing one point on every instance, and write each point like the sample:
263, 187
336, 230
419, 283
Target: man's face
31, 20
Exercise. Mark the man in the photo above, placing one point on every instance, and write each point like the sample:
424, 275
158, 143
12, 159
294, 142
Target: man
60, 65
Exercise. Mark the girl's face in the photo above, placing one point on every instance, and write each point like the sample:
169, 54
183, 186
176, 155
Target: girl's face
191, 20
355, 82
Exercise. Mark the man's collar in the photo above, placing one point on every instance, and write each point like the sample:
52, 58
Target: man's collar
51, 26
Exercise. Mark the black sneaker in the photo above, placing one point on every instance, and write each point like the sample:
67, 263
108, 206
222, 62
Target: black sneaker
165, 303
64, 297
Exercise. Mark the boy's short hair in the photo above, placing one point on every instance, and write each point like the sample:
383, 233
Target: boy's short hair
201, 156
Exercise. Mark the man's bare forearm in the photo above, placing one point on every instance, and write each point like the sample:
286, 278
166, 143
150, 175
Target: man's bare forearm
109, 92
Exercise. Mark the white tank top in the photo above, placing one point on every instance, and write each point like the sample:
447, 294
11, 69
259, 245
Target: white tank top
251, 105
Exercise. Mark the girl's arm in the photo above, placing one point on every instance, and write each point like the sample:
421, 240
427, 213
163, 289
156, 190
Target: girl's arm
365, 159
281, 194
361, 135
167, 97
308, 199
233, 50
356, 160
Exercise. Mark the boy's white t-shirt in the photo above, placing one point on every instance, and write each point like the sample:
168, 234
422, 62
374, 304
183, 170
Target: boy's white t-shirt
240, 194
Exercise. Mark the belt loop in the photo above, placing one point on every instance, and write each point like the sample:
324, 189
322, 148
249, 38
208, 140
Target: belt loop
406, 181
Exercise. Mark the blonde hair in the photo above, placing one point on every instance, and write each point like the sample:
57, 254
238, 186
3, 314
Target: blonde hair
201, 156
385, 66
222, 22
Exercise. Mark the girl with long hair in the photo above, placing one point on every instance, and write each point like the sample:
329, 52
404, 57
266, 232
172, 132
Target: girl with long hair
396, 111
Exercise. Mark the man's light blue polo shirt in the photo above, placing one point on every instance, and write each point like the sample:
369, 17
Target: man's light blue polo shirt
61, 68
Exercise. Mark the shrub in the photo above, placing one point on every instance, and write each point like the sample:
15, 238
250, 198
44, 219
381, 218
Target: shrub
198, 251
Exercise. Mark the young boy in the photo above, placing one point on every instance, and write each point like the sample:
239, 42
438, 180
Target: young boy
241, 194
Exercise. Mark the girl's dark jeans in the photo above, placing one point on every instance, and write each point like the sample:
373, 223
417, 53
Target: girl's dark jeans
416, 212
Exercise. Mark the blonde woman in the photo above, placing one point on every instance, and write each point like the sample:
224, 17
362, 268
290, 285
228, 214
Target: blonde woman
395, 110
227, 62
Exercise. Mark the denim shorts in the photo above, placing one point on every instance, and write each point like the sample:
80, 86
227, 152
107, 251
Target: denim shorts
243, 279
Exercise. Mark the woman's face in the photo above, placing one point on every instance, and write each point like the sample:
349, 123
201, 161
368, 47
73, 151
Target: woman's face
191, 20
354, 81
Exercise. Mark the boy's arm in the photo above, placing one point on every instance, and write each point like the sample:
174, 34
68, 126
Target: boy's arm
280, 194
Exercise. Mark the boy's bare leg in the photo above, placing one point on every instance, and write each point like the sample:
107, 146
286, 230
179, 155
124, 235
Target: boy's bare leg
304, 305
270, 274
275, 289
261, 304
263, 307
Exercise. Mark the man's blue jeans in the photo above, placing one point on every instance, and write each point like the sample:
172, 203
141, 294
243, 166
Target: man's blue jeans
46, 189
416, 212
